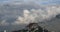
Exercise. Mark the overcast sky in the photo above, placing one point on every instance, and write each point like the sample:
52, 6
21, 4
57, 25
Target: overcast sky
36, 1
12, 12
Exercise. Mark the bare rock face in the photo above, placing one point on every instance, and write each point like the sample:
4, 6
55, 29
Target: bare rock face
32, 27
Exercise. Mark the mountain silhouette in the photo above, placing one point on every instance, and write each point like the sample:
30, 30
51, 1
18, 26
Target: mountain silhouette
33, 27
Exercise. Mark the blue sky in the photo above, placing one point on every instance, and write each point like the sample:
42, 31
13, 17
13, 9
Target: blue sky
36, 1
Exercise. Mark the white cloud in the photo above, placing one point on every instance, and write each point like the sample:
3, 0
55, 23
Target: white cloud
35, 15
38, 15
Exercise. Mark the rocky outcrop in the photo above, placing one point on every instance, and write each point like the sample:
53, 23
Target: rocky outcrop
33, 27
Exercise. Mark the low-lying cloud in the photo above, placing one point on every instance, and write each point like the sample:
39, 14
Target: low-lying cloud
4, 23
10, 12
31, 16
16, 16
16, 13
25, 13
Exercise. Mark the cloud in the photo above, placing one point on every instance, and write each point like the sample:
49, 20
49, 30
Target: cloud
30, 16
25, 13
38, 15
9, 12
28, 12
4, 23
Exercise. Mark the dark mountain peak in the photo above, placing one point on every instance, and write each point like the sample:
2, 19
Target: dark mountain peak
31, 24
33, 27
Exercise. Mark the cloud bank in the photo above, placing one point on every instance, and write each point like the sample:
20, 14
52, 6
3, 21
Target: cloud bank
27, 13
13, 16
14, 13
31, 16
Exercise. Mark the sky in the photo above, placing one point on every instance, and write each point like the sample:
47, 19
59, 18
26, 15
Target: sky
48, 2
12, 12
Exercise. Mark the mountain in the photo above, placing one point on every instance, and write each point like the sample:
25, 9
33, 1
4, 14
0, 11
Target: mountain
32, 27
